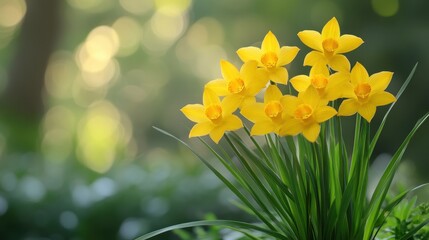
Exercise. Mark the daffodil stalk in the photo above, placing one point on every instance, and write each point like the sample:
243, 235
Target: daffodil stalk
297, 176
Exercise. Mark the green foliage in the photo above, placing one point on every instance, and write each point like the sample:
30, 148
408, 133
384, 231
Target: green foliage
407, 221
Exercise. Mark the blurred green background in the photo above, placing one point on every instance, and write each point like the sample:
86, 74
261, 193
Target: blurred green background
82, 82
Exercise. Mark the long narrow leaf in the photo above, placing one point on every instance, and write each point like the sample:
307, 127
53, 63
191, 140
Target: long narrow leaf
236, 225
385, 181
398, 95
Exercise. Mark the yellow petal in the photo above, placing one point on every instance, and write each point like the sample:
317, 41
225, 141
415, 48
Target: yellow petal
272, 93
232, 123
291, 127
339, 86
290, 103
380, 81
254, 78
367, 111
210, 97
314, 58
263, 127
247, 101
216, 134
279, 75
348, 43
382, 98
348, 107
324, 113
310, 96
286, 55
219, 86
339, 62
230, 103
300, 82
270, 43
348, 91
331, 30
344, 90
311, 132
254, 112
201, 129
229, 71
358, 74
319, 69
250, 53
195, 112
312, 39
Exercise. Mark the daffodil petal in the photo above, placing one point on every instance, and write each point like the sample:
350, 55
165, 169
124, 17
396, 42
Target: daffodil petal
279, 75
229, 71
300, 82
272, 93
291, 127
348, 43
254, 78
310, 96
201, 129
250, 53
312, 39
339, 62
289, 103
348, 107
216, 134
348, 91
219, 86
230, 103
194, 112
311, 132
247, 101
232, 123
379, 81
210, 97
367, 111
263, 127
339, 86
358, 74
286, 55
382, 98
324, 113
331, 30
319, 69
270, 43
314, 58
254, 112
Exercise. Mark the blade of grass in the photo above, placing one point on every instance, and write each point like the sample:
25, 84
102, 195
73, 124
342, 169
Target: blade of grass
398, 95
386, 180
235, 225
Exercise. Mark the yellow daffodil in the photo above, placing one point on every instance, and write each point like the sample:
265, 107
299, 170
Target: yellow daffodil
239, 87
212, 118
271, 57
303, 114
329, 87
268, 116
366, 93
329, 45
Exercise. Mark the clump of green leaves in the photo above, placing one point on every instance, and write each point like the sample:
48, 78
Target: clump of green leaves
407, 221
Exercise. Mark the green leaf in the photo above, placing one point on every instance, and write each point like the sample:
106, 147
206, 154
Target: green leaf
235, 225
398, 95
386, 180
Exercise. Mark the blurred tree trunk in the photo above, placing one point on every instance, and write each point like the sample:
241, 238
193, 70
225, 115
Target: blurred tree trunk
22, 100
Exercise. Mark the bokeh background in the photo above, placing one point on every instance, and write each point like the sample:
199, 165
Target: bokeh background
82, 83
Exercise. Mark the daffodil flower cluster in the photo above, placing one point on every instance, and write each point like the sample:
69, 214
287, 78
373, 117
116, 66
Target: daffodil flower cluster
330, 78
